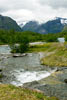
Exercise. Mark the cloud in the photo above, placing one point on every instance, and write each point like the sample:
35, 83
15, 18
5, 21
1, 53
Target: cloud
18, 4
41, 10
20, 14
2, 10
54, 3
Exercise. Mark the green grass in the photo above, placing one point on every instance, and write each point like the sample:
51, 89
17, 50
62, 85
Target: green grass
55, 53
10, 92
58, 58
39, 48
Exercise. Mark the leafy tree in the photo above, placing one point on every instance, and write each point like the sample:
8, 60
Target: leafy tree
66, 38
22, 47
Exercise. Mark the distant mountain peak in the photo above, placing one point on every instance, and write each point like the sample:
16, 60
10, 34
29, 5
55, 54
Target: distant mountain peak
52, 26
64, 21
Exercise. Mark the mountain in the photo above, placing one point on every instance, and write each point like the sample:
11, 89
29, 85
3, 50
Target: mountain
53, 26
65, 28
22, 24
8, 23
31, 26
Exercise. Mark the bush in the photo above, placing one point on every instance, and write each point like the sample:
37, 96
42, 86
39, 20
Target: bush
22, 47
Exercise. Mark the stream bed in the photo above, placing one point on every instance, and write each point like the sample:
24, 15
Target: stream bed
20, 70
28, 72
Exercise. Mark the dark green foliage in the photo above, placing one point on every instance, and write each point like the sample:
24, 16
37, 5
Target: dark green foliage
51, 38
22, 47
12, 37
66, 38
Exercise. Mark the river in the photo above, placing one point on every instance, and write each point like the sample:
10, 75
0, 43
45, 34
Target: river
18, 71
28, 72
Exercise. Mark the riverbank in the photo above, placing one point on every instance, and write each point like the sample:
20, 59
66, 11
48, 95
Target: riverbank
24, 69
11, 92
55, 54
53, 85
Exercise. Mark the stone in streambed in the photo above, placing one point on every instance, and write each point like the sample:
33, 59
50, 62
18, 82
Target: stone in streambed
0, 70
31, 84
65, 80
19, 55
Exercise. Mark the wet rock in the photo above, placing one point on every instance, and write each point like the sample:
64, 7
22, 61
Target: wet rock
19, 55
0, 70
57, 70
31, 84
1, 75
65, 80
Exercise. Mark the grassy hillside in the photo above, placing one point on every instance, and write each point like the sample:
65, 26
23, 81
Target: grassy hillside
55, 54
58, 57
10, 92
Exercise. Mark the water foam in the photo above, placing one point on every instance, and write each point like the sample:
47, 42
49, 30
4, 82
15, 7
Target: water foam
27, 76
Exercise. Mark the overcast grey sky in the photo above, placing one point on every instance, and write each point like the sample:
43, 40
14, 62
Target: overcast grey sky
41, 10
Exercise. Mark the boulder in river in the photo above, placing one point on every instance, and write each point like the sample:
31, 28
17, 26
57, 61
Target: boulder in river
1, 75
31, 84
65, 80
0, 70
19, 55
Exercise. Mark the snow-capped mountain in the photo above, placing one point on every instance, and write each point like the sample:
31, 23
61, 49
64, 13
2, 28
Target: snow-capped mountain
22, 24
64, 21
52, 26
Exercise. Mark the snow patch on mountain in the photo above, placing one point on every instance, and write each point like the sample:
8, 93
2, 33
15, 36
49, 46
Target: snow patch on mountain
64, 21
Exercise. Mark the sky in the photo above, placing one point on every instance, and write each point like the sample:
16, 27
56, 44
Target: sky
40, 10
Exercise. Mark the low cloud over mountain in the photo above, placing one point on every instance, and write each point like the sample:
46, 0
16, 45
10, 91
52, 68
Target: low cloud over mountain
41, 10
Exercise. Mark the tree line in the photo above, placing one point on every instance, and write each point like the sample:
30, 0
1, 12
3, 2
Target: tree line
8, 37
12, 37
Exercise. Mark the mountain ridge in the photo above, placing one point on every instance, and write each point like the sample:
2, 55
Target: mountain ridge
52, 26
8, 23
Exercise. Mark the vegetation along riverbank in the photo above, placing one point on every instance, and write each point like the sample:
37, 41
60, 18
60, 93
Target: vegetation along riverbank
16, 93
55, 53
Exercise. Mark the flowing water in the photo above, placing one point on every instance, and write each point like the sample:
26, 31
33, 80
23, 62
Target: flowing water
22, 69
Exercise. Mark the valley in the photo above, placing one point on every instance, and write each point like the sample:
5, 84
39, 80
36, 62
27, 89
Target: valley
33, 60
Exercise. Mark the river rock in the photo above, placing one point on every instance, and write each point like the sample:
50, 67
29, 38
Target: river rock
31, 84
0, 70
19, 55
65, 80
